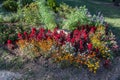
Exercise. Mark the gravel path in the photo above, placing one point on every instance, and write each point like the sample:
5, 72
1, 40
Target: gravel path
7, 75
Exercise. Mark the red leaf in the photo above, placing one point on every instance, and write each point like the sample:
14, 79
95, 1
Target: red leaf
19, 35
89, 46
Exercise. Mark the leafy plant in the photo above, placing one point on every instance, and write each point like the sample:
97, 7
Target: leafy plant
47, 15
10, 32
30, 14
64, 10
52, 4
10, 5
6, 33
75, 18
86, 46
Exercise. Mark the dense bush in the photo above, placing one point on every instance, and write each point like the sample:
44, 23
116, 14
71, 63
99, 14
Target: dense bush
10, 5
65, 9
30, 14
52, 4
76, 18
6, 33
10, 32
47, 16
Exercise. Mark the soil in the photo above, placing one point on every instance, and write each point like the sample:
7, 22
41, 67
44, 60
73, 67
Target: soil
43, 71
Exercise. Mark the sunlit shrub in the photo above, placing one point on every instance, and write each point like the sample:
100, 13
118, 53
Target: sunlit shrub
30, 14
52, 4
47, 15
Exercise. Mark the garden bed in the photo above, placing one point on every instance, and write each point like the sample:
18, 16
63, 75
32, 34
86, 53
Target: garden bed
63, 39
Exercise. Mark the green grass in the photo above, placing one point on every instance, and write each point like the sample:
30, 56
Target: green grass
110, 12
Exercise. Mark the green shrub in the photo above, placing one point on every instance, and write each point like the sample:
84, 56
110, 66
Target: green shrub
10, 32
10, 5
30, 14
52, 4
76, 18
6, 33
47, 15
65, 9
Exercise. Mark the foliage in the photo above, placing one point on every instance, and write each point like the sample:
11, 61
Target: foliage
30, 14
64, 10
97, 19
79, 16
6, 33
11, 32
10, 5
52, 4
47, 15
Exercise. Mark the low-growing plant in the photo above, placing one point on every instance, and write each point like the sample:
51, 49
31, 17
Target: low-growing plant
10, 32
6, 33
85, 46
35, 44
